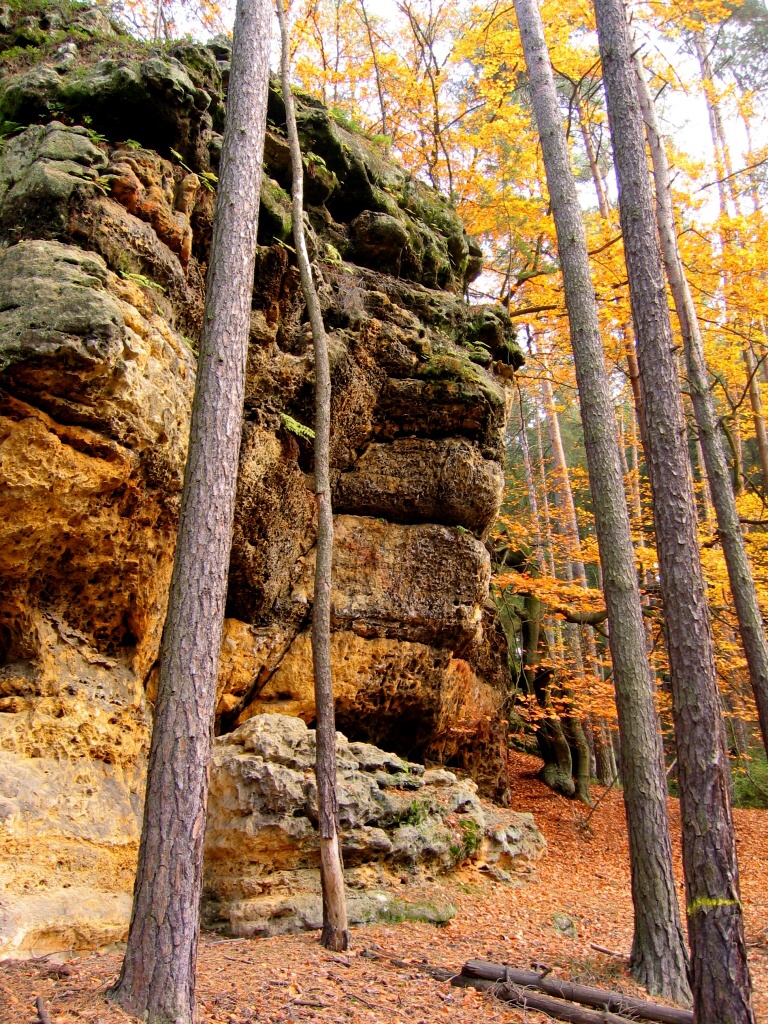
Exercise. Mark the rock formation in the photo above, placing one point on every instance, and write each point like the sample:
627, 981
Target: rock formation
262, 856
107, 179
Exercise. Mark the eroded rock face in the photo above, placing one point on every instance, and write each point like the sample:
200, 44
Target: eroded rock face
104, 242
262, 852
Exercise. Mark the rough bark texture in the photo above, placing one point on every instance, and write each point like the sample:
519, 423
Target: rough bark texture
335, 933
740, 576
157, 981
658, 955
720, 976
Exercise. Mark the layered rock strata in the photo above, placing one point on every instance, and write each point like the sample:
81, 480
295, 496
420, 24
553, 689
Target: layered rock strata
107, 187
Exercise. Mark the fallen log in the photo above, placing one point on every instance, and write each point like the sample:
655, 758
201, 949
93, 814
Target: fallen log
615, 1002
532, 1000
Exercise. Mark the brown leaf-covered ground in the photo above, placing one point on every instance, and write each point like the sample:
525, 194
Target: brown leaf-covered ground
584, 875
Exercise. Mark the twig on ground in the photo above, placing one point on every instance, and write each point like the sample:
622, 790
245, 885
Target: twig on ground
42, 1011
608, 952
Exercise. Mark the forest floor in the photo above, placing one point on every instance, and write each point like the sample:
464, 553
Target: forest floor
584, 876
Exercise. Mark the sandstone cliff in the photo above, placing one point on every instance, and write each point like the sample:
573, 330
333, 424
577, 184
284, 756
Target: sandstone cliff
106, 201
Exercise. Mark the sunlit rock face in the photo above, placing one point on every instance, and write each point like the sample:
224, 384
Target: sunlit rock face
106, 207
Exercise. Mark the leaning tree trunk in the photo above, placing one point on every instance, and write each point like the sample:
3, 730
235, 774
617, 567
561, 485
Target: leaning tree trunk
335, 933
720, 975
157, 981
742, 582
659, 957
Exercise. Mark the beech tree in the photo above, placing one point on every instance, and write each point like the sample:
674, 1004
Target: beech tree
157, 980
335, 933
719, 973
659, 957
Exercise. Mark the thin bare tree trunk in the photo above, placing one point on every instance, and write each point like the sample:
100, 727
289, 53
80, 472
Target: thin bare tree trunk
659, 956
376, 69
743, 588
720, 976
157, 980
532, 499
335, 933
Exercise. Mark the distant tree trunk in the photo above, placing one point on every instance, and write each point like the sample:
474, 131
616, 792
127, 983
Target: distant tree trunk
597, 178
659, 957
530, 484
726, 188
634, 377
720, 975
574, 569
335, 933
743, 588
376, 69
157, 981
756, 401
606, 761
557, 772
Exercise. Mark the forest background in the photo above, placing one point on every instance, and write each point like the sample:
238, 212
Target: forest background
441, 87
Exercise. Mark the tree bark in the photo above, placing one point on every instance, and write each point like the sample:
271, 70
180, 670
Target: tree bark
335, 934
659, 957
742, 582
157, 981
720, 975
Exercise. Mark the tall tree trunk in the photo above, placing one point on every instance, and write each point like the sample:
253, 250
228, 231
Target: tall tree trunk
157, 980
726, 189
658, 954
743, 588
335, 933
720, 975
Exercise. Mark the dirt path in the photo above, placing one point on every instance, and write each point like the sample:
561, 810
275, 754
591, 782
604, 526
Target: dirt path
584, 879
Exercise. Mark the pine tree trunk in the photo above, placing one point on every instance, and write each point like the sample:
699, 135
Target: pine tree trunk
658, 955
743, 588
157, 981
720, 976
335, 934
